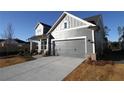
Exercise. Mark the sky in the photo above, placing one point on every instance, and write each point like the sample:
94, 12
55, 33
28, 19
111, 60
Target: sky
23, 22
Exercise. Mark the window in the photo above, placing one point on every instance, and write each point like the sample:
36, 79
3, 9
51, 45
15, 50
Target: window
65, 24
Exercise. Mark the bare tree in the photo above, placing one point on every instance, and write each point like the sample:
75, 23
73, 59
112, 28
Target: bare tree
8, 35
8, 32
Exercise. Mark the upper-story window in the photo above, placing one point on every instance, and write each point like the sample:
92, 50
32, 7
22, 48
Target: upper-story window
65, 24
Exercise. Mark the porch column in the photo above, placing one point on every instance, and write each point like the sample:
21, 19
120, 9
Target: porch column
39, 46
53, 42
30, 46
47, 46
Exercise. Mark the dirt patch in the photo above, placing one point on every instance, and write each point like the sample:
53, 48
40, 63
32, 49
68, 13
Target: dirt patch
12, 60
97, 72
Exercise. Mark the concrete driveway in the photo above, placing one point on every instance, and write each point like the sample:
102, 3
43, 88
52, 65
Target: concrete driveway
41, 69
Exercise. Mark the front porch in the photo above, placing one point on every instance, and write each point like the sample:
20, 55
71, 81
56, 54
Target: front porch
42, 46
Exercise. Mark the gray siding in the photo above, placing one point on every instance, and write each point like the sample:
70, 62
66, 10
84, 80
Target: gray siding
76, 33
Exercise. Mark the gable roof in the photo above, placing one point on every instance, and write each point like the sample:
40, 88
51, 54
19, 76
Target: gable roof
45, 25
61, 18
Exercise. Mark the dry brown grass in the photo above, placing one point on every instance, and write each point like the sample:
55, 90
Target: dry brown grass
4, 62
89, 72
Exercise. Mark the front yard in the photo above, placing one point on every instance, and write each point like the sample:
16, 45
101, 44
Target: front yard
93, 72
12, 60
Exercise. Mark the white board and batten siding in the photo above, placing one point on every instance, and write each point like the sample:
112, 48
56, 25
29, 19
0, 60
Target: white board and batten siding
72, 23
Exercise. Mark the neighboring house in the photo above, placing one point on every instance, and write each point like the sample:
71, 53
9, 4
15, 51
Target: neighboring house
12, 46
40, 38
76, 37
16, 41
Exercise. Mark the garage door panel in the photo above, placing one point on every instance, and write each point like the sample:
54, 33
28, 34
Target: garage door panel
72, 48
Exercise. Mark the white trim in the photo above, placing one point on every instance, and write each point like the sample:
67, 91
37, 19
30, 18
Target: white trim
73, 38
86, 45
93, 42
82, 37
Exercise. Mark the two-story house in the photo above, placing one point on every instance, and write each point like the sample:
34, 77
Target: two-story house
71, 36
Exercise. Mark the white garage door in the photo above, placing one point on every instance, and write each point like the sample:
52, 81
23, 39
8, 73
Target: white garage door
72, 48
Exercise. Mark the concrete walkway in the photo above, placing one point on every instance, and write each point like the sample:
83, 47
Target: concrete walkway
42, 69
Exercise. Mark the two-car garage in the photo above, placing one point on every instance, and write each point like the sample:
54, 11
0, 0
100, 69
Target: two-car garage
71, 47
